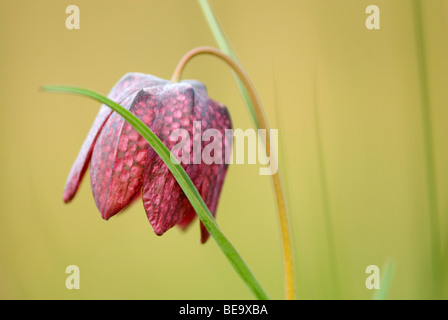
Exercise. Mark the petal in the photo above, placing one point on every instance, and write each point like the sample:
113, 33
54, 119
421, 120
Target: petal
198, 86
213, 175
165, 203
80, 166
188, 218
130, 82
190, 215
163, 199
119, 155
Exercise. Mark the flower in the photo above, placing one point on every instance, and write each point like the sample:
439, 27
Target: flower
123, 166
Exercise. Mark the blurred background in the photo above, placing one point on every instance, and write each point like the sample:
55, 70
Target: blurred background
362, 118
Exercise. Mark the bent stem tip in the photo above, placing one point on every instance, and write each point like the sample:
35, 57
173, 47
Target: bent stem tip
262, 123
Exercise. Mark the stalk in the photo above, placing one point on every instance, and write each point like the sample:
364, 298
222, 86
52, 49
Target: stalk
430, 168
263, 124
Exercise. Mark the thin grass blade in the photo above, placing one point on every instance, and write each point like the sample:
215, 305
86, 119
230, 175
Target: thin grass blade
225, 47
184, 181
386, 280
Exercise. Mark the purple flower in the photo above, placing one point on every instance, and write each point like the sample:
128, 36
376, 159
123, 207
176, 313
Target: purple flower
123, 166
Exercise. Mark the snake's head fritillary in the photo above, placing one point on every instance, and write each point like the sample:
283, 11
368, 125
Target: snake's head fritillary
123, 166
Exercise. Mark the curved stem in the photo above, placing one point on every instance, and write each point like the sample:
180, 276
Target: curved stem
263, 124
225, 47
430, 165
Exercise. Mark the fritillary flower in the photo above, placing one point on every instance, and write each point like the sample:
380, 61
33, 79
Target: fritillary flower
124, 167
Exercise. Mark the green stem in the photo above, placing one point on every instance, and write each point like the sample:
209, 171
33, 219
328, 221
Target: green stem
329, 230
256, 111
431, 183
184, 181
277, 183
386, 280
225, 47
444, 268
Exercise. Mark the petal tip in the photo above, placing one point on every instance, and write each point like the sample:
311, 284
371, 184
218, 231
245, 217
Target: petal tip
158, 231
106, 214
69, 194
204, 238
66, 199
204, 234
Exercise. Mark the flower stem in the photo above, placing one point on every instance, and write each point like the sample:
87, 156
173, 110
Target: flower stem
329, 227
225, 47
431, 182
184, 182
263, 124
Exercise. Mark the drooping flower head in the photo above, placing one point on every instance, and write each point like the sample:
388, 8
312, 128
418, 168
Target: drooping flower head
123, 166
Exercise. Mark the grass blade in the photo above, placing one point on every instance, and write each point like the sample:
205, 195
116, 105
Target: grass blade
386, 279
260, 122
225, 47
329, 228
184, 181
431, 183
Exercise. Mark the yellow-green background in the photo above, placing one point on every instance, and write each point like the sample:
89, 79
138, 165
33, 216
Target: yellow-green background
302, 56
